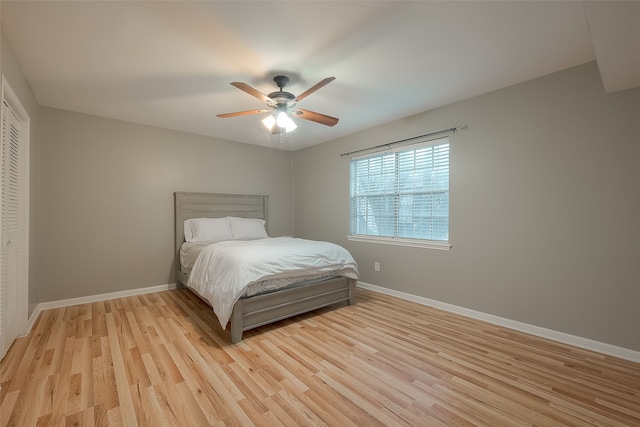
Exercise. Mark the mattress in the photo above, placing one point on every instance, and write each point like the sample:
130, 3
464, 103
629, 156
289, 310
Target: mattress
189, 253
224, 272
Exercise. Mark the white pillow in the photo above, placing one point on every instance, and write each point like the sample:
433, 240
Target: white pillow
209, 230
247, 228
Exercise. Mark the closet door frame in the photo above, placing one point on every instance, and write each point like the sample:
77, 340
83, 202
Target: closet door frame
11, 101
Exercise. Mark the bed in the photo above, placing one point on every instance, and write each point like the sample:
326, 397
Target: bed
260, 306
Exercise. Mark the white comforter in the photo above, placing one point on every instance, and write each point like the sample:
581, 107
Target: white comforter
224, 270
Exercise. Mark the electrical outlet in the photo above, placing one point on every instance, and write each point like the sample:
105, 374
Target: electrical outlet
376, 266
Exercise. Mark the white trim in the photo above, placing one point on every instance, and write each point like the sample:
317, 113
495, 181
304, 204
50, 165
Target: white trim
93, 298
397, 241
573, 340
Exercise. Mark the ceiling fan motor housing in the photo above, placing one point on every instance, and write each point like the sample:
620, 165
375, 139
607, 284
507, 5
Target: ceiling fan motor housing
281, 97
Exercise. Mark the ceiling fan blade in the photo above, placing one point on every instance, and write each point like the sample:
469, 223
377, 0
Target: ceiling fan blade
241, 113
251, 91
316, 117
315, 88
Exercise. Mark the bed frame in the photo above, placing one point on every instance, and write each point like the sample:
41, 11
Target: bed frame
257, 310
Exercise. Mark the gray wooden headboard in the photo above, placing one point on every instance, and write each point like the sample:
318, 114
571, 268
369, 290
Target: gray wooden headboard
214, 205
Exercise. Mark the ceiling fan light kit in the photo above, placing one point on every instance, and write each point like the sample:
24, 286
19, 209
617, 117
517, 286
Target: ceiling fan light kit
269, 121
285, 122
281, 119
283, 104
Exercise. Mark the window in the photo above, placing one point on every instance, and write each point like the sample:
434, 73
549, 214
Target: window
401, 196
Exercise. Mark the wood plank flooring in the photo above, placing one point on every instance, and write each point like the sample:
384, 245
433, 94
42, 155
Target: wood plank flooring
162, 360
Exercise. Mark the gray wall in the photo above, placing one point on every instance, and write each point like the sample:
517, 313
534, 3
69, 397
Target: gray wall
545, 207
107, 198
11, 69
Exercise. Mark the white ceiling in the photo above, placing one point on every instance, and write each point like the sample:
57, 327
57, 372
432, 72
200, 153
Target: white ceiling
169, 63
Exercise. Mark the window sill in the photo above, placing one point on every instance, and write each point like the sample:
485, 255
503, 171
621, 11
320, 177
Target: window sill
414, 243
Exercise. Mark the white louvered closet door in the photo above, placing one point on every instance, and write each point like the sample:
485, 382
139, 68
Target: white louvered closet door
9, 229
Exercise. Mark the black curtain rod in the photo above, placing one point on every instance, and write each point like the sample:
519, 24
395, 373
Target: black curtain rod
389, 144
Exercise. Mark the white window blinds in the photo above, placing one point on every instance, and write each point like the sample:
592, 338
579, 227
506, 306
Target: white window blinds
402, 193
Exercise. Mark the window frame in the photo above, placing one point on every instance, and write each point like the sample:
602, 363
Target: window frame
395, 240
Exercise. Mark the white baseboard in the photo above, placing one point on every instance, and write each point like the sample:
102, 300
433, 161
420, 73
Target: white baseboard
576, 341
92, 298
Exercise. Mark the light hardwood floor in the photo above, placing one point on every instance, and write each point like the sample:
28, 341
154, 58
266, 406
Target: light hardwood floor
161, 359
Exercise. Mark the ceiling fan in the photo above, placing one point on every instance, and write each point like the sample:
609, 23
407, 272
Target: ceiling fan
283, 104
